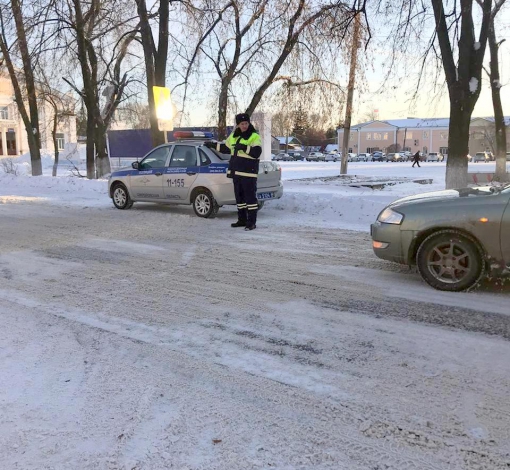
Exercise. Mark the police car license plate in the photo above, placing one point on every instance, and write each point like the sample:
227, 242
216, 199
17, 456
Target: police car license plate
265, 195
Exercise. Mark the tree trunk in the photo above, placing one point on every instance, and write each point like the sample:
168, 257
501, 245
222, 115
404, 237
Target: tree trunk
222, 111
458, 141
102, 160
350, 94
149, 50
463, 76
499, 119
90, 147
32, 127
55, 144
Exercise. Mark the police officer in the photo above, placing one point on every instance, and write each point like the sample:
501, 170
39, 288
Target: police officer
245, 146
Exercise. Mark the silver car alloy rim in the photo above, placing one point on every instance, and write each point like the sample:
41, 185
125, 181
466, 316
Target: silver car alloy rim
449, 262
203, 204
119, 195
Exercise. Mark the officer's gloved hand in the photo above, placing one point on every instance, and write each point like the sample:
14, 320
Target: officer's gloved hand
210, 144
241, 147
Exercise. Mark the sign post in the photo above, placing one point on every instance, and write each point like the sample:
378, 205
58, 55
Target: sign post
164, 109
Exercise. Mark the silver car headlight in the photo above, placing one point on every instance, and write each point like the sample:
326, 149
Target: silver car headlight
389, 216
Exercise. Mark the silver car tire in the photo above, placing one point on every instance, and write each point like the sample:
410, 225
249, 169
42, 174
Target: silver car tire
450, 260
120, 197
204, 204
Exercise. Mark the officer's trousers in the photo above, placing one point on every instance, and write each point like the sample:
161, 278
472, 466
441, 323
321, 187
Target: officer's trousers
245, 189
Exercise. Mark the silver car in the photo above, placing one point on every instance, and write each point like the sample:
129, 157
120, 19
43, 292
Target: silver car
187, 172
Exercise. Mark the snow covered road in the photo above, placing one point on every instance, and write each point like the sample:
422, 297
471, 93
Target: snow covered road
151, 339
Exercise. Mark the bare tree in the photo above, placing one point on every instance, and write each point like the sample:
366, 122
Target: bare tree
463, 78
101, 36
155, 56
265, 42
23, 82
459, 59
499, 118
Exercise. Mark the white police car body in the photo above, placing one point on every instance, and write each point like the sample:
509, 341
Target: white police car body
187, 172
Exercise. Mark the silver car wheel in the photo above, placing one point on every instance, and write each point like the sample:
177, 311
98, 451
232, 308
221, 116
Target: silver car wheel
202, 204
449, 262
120, 197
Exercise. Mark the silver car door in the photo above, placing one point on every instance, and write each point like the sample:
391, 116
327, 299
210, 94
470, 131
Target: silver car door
146, 183
181, 173
505, 234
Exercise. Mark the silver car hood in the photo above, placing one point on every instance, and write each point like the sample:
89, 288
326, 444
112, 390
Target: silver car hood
446, 194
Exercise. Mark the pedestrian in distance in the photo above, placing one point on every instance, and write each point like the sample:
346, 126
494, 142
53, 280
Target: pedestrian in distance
245, 148
416, 159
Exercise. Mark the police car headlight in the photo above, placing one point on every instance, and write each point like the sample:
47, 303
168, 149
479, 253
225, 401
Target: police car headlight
389, 216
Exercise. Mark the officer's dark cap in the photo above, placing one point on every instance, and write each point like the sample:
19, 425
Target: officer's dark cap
243, 117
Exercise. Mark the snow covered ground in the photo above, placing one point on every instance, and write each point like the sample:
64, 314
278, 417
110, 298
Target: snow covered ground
152, 339
307, 201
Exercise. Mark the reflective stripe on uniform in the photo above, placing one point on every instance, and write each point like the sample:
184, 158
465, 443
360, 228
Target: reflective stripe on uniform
242, 173
252, 207
241, 206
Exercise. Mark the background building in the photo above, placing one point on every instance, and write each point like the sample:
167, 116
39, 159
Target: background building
13, 134
424, 135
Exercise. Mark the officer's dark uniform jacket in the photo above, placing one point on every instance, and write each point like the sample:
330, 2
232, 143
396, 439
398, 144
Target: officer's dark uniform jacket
244, 169
243, 163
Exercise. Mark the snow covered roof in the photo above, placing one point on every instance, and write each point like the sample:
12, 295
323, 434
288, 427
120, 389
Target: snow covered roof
421, 122
491, 119
291, 139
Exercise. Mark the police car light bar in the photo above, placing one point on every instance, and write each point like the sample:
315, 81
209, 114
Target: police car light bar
193, 135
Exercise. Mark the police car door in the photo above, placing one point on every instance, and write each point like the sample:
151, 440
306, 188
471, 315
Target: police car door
147, 182
181, 173
505, 232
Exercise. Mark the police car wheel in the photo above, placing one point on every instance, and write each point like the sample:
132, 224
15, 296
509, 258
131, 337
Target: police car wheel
260, 204
120, 197
204, 204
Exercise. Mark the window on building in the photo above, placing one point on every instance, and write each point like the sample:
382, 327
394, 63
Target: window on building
443, 150
385, 136
443, 135
425, 134
369, 136
377, 136
409, 135
60, 141
4, 112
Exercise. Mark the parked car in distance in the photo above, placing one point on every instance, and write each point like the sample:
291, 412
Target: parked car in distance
315, 157
435, 157
332, 157
481, 157
296, 156
283, 157
396, 157
454, 237
379, 157
364, 157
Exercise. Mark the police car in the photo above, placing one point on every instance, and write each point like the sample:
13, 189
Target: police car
187, 172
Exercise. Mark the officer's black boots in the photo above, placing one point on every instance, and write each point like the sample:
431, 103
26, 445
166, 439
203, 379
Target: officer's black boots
250, 227
239, 223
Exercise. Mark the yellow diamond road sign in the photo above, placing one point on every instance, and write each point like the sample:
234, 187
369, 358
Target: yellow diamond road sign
164, 108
